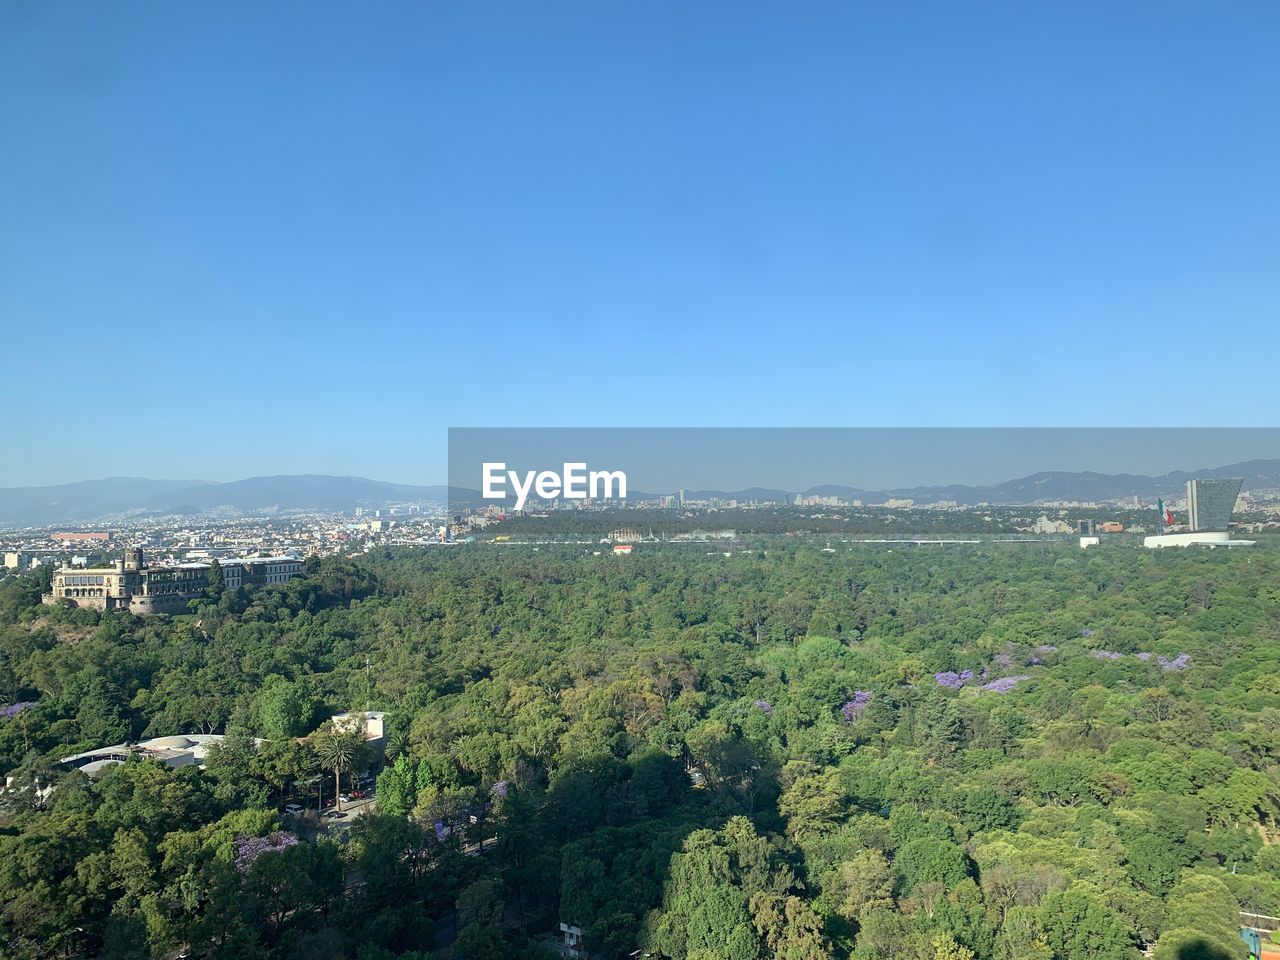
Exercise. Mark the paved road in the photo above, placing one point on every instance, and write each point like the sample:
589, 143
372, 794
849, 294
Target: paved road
336, 825
356, 808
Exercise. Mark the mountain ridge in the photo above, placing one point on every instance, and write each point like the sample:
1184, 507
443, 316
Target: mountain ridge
1034, 488
88, 500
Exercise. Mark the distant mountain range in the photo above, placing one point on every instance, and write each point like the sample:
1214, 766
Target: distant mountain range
91, 500
138, 496
1036, 488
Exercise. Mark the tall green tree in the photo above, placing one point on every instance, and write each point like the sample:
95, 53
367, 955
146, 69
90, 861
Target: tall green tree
215, 581
1078, 925
341, 751
398, 786
284, 708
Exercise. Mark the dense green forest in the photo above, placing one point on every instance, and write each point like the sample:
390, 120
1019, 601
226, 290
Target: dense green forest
1022, 752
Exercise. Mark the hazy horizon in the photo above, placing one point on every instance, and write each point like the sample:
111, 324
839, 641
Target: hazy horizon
661, 459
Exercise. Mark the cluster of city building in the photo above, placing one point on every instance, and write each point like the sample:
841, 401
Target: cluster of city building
172, 540
1209, 505
1267, 503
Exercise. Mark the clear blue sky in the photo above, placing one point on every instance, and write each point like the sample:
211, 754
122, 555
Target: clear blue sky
306, 237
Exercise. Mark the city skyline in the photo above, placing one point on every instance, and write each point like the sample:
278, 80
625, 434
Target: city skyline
814, 462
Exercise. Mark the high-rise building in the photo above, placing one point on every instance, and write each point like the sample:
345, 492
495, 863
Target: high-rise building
1210, 501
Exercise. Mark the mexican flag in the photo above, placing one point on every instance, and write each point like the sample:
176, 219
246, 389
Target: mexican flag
1166, 515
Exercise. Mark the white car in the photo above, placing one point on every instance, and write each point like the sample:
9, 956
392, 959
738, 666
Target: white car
293, 809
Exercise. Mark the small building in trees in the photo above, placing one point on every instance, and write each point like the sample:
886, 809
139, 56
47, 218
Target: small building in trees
373, 725
177, 751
